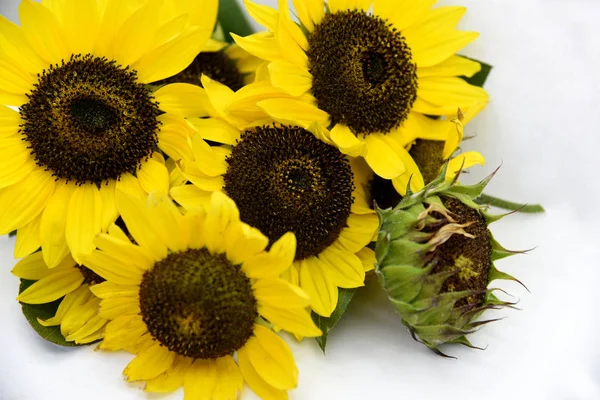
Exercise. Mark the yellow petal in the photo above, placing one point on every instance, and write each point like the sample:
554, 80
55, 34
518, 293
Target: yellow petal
264, 15
262, 45
80, 21
112, 269
154, 177
43, 32
403, 13
114, 307
23, 201
9, 120
450, 92
90, 331
123, 332
294, 320
129, 185
367, 256
200, 380
347, 141
278, 293
171, 379
78, 315
294, 79
28, 239
34, 268
277, 260
290, 37
16, 47
294, 112
272, 358
174, 141
382, 157
52, 287
453, 66
73, 299
182, 99
173, 56
216, 130
343, 267
220, 96
209, 159
135, 256
254, 380
310, 12
318, 285
109, 203
84, 219
53, 225
359, 232
427, 53
139, 223
190, 197
229, 379
151, 363
107, 289
464, 161
221, 213
343, 5
249, 242
15, 160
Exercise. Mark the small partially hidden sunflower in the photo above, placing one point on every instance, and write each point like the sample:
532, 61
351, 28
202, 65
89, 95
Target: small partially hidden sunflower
77, 313
227, 64
366, 75
284, 178
427, 156
87, 122
192, 299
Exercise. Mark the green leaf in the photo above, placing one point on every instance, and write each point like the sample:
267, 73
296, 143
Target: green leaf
233, 18
327, 324
479, 78
43, 311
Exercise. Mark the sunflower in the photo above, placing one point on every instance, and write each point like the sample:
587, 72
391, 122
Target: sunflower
196, 291
77, 313
284, 178
87, 123
228, 64
369, 76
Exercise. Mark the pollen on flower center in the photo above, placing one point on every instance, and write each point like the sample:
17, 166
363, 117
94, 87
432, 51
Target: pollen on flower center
198, 304
216, 65
89, 120
471, 257
363, 73
285, 179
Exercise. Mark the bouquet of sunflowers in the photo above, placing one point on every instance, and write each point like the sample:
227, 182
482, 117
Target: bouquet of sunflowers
185, 189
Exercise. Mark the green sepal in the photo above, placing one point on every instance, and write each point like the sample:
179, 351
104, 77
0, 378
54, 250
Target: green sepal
233, 19
480, 77
439, 334
33, 312
499, 252
433, 284
403, 282
345, 296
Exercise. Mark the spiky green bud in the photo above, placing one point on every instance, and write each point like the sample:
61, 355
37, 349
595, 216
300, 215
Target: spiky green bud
435, 259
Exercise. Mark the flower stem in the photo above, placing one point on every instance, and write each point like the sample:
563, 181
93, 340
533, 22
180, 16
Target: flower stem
509, 205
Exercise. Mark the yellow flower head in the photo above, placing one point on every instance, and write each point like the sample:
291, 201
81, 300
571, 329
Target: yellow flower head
368, 76
228, 64
285, 178
77, 313
86, 122
194, 292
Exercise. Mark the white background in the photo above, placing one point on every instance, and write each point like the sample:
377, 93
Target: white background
542, 125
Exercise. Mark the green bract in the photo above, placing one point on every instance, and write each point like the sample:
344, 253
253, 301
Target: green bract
435, 259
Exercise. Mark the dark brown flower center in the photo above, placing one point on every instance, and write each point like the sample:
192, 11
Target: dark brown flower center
90, 120
216, 65
470, 256
285, 179
363, 73
198, 304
